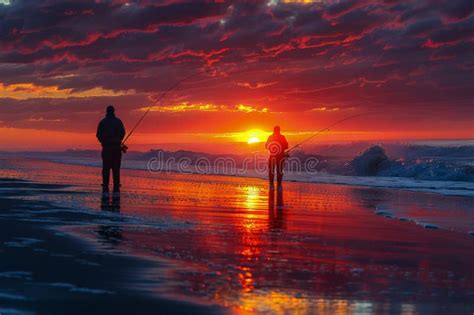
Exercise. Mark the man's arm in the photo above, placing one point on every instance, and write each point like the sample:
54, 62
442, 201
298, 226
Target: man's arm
99, 132
122, 131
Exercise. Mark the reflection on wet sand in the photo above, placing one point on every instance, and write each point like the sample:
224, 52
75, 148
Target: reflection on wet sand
108, 203
278, 302
110, 234
311, 249
324, 252
276, 215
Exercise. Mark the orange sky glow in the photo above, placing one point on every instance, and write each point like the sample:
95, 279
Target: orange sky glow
203, 125
302, 65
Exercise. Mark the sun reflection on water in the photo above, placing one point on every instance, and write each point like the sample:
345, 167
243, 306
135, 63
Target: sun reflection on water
281, 302
253, 197
237, 245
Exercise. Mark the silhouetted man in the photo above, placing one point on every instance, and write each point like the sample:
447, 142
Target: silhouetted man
276, 146
110, 133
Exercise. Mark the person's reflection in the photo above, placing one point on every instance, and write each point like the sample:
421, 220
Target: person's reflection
111, 234
107, 205
116, 203
276, 216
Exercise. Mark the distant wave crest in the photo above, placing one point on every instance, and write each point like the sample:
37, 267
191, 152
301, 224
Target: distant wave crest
375, 162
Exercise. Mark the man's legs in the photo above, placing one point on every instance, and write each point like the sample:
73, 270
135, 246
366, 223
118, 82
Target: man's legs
271, 170
117, 161
106, 166
280, 164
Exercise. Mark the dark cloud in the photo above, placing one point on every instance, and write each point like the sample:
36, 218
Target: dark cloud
454, 33
342, 7
458, 9
423, 26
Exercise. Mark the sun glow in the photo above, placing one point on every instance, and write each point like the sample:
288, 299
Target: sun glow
252, 136
253, 140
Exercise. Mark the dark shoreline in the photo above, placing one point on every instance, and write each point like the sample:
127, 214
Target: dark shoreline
43, 271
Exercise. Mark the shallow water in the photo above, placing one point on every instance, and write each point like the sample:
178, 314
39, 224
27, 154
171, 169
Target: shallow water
314, 248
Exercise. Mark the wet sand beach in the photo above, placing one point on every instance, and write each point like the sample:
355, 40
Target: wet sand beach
183, 243
45, 271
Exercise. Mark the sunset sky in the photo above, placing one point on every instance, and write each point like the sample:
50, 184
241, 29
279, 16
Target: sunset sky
300, 65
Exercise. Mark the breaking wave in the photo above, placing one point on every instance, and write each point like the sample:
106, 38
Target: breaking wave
425, 163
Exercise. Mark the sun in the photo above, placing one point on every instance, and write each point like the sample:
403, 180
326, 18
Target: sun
252, 136
253, 140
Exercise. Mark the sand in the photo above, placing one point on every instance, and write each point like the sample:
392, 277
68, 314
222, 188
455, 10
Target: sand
45, 271
183, 243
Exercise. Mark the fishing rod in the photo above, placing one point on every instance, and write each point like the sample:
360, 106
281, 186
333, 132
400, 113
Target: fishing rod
171, 88
325, 129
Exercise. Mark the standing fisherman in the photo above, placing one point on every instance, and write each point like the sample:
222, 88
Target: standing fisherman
276, 146
110, 134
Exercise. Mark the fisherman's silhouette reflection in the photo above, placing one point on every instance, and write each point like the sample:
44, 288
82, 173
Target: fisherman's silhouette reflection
276, 212
110, 234
110, 204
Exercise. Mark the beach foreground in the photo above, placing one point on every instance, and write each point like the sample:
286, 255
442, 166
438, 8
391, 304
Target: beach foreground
183, 243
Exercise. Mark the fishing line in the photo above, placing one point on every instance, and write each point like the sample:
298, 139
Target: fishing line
171, 88
327, 129
179, 82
